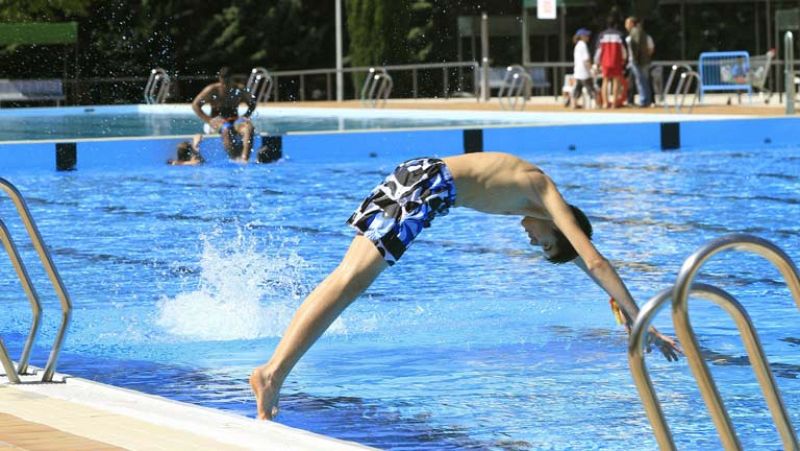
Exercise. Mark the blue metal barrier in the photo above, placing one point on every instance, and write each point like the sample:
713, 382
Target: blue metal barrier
725, 71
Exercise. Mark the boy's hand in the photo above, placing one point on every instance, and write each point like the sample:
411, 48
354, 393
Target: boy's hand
667, 346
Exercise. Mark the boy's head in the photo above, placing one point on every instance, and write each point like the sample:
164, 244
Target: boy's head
185, 151
555, 245
225, 76
564, 251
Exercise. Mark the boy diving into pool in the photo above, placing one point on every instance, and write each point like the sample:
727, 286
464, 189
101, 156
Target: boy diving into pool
406, 202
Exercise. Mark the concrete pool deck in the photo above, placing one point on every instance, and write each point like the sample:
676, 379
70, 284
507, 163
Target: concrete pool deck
713, 104
77, 414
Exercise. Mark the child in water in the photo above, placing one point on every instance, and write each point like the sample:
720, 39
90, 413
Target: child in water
188, 153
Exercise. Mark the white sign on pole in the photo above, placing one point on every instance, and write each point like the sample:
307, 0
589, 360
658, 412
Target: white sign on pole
545, 9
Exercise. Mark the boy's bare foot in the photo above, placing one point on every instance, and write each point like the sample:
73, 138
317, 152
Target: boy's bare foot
266, 391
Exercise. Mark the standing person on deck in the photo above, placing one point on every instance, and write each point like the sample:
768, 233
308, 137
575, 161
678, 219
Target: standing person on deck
583, 67
224, 98
640, 53
408, 201
611, 57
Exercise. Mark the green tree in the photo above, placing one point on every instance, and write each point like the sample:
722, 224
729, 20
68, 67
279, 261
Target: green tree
42, 10
421, 30
378, 30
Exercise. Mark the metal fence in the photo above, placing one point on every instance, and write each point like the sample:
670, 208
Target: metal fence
435, 80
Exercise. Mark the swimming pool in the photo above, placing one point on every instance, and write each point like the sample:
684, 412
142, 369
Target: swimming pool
183, 279
178, 119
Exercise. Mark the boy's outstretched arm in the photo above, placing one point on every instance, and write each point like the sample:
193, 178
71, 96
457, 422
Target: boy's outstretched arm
597, 266
666, 345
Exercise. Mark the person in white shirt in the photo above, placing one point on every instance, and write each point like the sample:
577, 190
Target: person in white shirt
583, 66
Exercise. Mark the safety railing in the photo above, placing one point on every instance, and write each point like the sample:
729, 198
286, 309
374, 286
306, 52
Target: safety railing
676, 70
724, 71
685, 76
683, 88
157, 88
516, 88
260, 84
377, 87
679, 295
790, 76
66, 305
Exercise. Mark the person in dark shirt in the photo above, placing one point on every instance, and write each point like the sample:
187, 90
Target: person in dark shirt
640, 50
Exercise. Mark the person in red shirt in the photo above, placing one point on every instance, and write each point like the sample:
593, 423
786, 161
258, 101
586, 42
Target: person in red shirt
611, 56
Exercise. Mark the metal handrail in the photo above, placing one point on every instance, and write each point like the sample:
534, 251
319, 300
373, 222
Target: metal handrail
683, 89
517, 83
670, 80
788, 45
260, 84
157, 88
377, 87
36, 307
679, 295
52, 273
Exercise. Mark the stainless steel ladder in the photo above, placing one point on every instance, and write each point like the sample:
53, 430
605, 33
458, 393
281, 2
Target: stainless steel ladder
66, 305
376, 88
679, 295
517, 84
157, 88
260, 84
685, 83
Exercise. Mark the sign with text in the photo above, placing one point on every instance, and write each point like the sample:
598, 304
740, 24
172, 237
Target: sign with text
545, 9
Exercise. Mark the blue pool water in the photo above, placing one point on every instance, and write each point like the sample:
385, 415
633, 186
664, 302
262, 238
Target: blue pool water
100, 123
167, 120
183, 280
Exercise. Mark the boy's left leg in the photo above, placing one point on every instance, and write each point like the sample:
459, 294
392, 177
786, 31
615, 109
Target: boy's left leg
246, 130
358, 269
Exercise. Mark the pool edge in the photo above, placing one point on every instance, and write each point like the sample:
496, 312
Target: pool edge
133, 420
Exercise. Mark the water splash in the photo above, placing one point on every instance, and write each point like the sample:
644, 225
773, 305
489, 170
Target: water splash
247, 289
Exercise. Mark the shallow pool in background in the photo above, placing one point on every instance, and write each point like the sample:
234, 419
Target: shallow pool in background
183, 280
71, 123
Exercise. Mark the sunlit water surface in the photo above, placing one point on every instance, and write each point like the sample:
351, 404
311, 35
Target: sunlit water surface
266, 121
183, 280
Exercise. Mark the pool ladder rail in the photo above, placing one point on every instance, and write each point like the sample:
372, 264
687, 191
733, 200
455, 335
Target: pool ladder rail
684, 84
679, 295
260, 84
157, 88
377, 88
66, 305
516, 88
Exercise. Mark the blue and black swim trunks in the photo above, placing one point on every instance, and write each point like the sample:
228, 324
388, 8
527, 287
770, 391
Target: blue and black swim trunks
405, 203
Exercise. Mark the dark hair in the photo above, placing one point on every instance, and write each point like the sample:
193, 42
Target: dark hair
225, 75
185, 151
566, 253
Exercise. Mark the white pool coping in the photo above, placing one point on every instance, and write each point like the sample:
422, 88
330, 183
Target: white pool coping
268, 110
134, 420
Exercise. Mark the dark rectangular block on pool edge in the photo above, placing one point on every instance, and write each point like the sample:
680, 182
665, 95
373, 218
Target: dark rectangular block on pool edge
66, 156
473, 140
271, 149
670, 135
